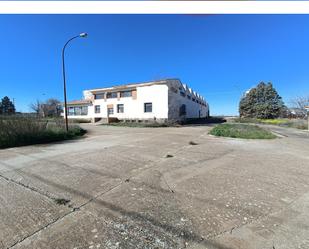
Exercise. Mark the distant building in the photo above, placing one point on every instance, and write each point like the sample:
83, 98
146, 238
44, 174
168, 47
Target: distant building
297, 113
162, 100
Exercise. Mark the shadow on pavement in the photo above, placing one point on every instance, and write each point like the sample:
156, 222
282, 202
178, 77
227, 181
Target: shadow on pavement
179, 233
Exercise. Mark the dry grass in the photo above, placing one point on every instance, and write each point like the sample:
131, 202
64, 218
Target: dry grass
19, 131
293, 123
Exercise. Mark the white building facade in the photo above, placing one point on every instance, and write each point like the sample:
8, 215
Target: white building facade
161, 101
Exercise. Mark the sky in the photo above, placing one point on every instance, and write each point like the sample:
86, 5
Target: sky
219, 56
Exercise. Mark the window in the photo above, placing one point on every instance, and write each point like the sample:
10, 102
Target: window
147, 107
97, 109
182, 94
99, 96
120, 108
77, 110
110, 110
193, 99
189, 97
71, 111
111, 95
84, 110
126, 94
182, 110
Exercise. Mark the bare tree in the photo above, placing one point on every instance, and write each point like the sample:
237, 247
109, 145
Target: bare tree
36, 107
49, 108
52, 107
299, 103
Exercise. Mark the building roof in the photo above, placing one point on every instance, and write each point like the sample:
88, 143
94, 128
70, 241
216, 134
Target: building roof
130, 85
79, 102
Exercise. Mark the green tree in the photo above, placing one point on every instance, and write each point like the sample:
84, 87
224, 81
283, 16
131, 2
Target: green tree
263, 101
7, 106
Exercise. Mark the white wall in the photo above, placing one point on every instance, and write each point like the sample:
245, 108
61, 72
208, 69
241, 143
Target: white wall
165, 104
134, 108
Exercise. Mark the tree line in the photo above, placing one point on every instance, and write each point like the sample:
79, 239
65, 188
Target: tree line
49, 108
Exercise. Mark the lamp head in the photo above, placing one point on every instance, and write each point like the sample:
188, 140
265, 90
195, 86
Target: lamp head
83, 35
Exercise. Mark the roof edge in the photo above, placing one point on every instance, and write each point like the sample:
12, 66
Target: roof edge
137, 84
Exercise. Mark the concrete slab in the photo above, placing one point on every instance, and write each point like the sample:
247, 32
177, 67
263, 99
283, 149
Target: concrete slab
61, 181
24, 212
221, 193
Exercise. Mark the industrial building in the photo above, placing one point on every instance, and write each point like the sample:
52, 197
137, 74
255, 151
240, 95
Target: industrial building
160, 101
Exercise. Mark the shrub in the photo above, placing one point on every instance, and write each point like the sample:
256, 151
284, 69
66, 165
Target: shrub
18, 131
241, 131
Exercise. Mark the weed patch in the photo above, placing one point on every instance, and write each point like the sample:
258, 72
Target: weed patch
241, 131
19, 131
61, 201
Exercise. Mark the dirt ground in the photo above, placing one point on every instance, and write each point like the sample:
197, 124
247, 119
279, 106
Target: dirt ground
152, 188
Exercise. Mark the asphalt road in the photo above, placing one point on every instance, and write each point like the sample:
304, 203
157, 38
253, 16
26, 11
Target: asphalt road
123, 191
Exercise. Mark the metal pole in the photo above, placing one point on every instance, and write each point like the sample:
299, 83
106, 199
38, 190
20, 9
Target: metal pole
64, 84
307, 109
65, 94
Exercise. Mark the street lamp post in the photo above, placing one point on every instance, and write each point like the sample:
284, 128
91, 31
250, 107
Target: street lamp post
83, 35
307, 109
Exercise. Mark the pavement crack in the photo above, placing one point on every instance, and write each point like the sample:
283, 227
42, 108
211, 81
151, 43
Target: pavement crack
74, 209
28, 187
99, 195
40, 229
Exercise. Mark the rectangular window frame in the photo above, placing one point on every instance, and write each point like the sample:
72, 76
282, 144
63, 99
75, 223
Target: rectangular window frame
77, 110
97, 109
110, 110
111, 95
126, 94
120, 108
99, 96
71, 111
84, 110
148, 107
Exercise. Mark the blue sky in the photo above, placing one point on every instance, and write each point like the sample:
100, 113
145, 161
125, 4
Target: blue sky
219, 56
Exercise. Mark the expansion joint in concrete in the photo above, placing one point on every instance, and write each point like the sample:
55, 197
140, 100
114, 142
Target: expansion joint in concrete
40, 229
28, 187
74, 209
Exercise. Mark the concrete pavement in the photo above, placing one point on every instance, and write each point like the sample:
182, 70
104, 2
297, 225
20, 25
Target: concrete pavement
124, 192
